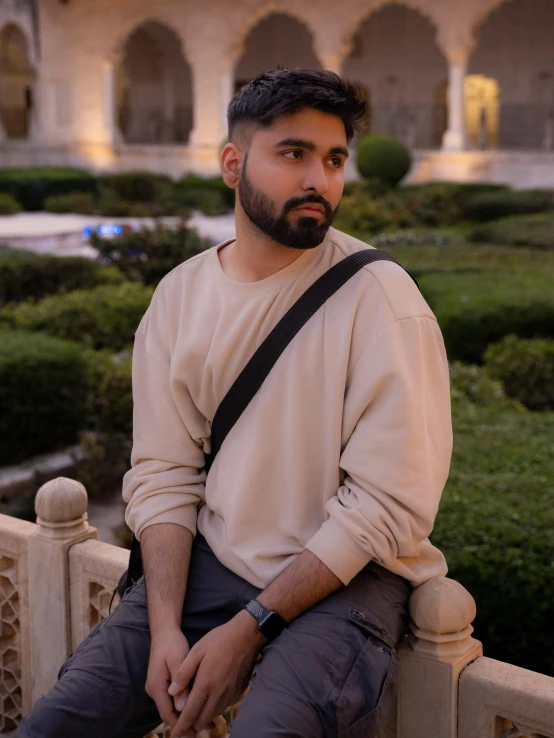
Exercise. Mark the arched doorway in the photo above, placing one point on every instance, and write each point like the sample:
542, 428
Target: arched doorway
402, 84
16, 83
515, 48
278, 40
482, 100
154, 88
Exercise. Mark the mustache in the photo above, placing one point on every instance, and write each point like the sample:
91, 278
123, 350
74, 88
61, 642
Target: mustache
295, 202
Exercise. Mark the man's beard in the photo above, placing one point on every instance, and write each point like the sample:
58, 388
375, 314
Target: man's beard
306, 233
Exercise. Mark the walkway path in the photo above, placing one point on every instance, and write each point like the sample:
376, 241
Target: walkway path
62, 234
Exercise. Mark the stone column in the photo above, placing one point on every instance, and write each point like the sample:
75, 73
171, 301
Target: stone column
112, 132
455, 136
61, 508
331, 60
432, 658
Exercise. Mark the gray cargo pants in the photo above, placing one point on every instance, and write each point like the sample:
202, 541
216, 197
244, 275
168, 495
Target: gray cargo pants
330, 674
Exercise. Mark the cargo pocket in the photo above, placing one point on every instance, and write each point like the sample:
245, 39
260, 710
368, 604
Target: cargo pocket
368, 692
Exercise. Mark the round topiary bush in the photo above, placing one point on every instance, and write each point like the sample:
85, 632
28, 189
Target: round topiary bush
383, 157
526, 369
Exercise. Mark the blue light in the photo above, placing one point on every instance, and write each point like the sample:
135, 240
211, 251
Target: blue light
109, 230
87, 232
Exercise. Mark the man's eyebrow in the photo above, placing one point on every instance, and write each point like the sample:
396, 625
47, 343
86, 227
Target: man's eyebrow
303, 143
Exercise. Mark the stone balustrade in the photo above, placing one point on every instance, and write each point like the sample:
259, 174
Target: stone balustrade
57, 580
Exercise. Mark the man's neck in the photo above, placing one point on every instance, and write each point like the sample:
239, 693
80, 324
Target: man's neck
254, 256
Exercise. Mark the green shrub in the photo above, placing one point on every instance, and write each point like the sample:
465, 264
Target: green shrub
469, 382
25, 275
73, 202
149, 254
533, 231
361, 215
209, 202
213, 184
33, 185
8, 204
43, 394
105, 317
137, 186
526, 369
494, 205
383, 157
480, 308
108, 441
496, 528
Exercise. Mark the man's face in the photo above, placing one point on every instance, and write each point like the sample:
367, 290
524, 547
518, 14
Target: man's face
292, 177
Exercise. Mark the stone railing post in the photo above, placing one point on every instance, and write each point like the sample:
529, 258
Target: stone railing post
432, 658
61, 508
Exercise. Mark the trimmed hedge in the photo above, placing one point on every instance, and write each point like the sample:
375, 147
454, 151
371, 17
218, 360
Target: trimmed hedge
474, 383
477, 309
526, 369
137, 186
107, 443
212, 184
383, 157
43, 394
31, 186
149, 254
533, 231
496, 528
494, 205
25, 275
105, 317
8, 204
74, 202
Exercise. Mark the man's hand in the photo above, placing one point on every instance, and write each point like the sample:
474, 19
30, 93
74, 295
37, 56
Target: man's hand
167, 652
221, 664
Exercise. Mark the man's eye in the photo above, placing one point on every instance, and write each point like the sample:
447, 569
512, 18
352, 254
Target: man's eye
337, 162
293, 154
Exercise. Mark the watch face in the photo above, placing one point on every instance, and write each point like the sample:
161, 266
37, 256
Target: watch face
272, 625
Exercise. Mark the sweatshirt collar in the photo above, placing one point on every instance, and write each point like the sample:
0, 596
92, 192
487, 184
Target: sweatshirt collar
269, 284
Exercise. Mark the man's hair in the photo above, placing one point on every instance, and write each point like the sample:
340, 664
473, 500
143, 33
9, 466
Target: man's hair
281, 92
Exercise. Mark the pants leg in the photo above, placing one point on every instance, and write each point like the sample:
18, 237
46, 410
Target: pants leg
332, 673
100, 688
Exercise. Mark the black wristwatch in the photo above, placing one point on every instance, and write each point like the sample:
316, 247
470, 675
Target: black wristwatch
270, 623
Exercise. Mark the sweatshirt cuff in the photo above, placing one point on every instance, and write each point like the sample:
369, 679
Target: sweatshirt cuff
184, 516
338, 551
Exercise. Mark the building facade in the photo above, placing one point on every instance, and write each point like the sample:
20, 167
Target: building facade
468, 85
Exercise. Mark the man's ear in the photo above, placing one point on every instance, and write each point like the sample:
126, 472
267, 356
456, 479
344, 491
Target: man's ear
230, 161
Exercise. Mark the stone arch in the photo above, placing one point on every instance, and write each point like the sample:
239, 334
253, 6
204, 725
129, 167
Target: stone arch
403, 87
278, 39
153, 86
514, 48
365, 10
17, 79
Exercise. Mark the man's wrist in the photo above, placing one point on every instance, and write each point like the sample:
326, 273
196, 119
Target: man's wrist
251, 627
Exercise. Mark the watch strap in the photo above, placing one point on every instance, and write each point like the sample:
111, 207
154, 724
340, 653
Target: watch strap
270, 623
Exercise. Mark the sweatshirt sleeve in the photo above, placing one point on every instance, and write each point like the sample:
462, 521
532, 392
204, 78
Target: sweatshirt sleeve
166, 481
397, 445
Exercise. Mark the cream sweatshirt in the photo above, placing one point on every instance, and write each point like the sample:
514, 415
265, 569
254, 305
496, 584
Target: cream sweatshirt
345, 449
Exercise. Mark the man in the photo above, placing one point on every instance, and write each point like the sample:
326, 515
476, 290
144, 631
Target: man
319, 504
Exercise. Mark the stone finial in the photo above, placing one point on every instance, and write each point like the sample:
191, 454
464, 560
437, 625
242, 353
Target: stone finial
442, 610
61, 503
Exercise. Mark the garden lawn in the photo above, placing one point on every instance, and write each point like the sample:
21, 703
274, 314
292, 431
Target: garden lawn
496, 528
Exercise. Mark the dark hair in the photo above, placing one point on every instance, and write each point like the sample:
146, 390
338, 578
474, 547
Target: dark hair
281, 92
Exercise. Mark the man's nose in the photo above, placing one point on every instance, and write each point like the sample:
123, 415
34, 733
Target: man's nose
316, 179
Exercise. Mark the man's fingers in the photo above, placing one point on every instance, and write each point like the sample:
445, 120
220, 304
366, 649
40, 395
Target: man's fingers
195, 703
185, 673
164, 703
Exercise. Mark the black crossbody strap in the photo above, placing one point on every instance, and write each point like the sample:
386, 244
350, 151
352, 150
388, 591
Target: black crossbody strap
254, 373
264, 359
